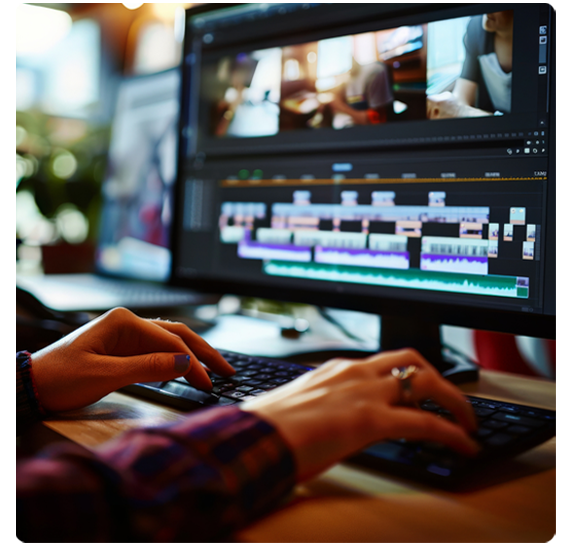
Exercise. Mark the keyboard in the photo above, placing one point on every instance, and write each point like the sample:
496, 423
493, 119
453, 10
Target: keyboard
505, 429
254, 376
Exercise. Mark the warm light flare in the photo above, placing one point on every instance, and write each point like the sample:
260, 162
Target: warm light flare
132, 5
167, 12
38, 29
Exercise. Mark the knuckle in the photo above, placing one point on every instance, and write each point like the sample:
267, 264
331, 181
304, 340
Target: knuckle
119, 314
154, 363
412, 354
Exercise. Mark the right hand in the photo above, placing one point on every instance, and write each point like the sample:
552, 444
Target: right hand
345, 405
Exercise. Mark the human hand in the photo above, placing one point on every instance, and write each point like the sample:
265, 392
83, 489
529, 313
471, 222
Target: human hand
443, 106
345, 405
117, 349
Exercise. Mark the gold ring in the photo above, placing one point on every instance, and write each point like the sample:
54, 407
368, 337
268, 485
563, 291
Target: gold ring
404, 375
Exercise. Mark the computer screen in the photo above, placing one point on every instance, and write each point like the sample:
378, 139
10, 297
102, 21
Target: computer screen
391, 158
137, 191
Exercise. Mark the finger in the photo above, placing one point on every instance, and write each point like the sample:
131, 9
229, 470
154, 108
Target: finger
152, 367
204, 352
450, 397
384, 362
197, 375
429, 384
417, 425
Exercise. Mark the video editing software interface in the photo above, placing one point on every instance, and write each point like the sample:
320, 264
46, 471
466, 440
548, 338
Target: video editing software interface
370, 149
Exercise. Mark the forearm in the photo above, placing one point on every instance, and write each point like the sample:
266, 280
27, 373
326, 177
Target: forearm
464, 110
196, 480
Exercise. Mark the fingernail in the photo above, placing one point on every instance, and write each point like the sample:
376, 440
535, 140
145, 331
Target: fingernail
181, 363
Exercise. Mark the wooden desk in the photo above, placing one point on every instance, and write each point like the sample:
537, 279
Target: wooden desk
349, 504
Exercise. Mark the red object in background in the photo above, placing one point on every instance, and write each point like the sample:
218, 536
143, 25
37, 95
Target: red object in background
63, 258
499, 351
376, 117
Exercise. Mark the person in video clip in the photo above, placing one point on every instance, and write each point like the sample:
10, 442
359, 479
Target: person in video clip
206, 474
484, 86
367, 98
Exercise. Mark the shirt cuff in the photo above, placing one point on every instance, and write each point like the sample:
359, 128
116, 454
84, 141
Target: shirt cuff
28, 407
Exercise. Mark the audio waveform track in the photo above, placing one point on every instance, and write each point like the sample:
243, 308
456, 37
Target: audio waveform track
456, 264
258, 250
362, 258
500, 286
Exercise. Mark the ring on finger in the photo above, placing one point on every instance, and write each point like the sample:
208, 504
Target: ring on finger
404, 376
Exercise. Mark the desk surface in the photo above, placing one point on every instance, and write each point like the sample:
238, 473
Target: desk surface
350, 504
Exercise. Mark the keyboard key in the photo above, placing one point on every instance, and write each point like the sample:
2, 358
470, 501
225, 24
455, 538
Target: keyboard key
257, 392
518, 430
483, 411
238, 379
483, 432
495, 424
234, 394
518, 419
488, 404
244, 388
268, 385
189, 393
223, 401
499, 440
222, 388
157, 385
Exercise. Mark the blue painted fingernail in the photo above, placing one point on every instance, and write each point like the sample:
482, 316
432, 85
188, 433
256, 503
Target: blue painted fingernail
181, 363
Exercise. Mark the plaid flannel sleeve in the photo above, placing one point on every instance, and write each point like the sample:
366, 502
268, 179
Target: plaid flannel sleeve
195, 480
28, 408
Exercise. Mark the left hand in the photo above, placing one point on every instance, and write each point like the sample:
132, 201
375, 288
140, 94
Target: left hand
117, 349
345, 405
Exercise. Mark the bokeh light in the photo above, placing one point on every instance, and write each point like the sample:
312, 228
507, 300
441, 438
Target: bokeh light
39, 29
64, 164
72, 225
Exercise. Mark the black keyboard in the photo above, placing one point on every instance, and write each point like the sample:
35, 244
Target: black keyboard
254, 376
505, 429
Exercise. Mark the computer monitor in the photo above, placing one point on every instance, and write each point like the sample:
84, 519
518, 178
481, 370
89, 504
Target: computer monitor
397, 159
138, 189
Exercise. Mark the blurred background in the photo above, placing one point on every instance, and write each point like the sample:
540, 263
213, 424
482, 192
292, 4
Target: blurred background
69, 60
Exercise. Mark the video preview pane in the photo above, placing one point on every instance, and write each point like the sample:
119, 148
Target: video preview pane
454, 68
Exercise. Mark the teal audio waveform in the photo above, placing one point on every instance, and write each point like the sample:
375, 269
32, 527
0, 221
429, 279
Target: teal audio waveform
502, 286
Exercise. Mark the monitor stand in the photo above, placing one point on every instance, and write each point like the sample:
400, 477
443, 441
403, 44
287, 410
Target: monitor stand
407, 332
